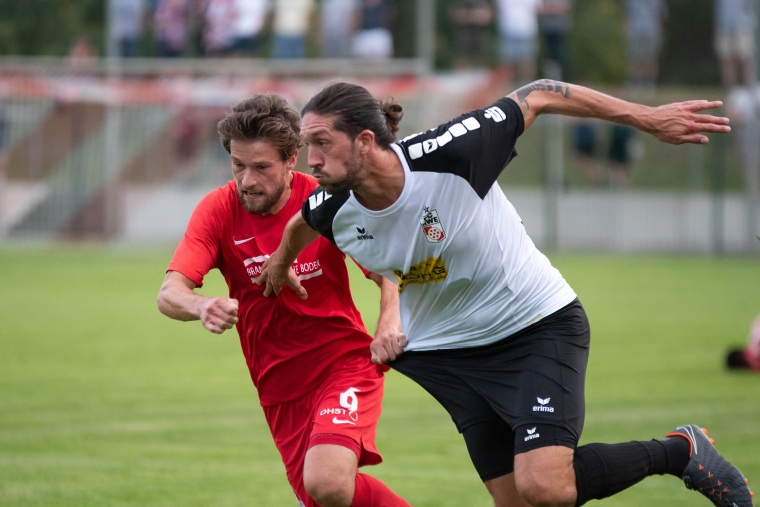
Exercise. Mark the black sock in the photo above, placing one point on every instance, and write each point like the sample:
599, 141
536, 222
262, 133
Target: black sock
601, 470
678, 450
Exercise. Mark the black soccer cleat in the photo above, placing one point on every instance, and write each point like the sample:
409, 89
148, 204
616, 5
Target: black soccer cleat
710, 473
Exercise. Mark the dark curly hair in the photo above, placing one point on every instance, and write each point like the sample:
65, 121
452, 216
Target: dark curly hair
354, 109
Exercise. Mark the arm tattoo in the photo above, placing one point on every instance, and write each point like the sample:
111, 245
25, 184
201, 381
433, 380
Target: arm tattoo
544, 85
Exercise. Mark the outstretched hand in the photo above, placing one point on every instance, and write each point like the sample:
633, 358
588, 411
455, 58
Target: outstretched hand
682, 122
274, 276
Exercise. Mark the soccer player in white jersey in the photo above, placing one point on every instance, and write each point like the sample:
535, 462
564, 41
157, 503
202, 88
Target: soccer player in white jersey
493, 330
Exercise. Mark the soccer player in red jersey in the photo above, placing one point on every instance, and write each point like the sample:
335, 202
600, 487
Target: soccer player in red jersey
310, 361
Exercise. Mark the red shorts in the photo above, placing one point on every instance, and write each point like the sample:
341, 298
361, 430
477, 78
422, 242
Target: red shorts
343, 410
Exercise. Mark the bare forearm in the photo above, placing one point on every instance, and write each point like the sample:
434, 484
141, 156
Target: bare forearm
389, 341
555, 97
179, 302
676, 123
184, 309
296, 236
589, 103
276, 271
390, 316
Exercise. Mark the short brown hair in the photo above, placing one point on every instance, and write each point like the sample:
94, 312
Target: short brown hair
264, 117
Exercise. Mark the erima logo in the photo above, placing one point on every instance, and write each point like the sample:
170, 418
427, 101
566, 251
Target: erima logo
542, 405
363, 234
532, 435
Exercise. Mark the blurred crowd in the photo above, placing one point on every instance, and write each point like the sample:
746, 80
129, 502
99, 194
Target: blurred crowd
515, 41
530, 28
364, 28
252, 28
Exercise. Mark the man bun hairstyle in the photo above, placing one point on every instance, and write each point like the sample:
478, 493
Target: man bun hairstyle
264, 117
354, 109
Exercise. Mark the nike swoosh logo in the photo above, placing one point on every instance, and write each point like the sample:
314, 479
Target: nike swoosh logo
342, 421
241, 241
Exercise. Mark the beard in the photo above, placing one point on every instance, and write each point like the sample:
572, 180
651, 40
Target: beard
264, 203
352, 179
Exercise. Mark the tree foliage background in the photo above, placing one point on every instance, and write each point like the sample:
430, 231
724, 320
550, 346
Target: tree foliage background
596, 46
49, 27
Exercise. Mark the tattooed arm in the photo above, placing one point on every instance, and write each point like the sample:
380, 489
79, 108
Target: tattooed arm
676, 123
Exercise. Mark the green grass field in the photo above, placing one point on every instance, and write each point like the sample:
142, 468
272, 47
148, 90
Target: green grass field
105, 402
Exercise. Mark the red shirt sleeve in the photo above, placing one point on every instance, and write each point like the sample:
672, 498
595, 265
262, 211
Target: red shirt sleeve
199, 250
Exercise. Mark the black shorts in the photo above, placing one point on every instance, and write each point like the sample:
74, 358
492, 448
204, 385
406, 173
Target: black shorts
518, 394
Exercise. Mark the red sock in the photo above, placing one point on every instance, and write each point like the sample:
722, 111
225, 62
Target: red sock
370, 492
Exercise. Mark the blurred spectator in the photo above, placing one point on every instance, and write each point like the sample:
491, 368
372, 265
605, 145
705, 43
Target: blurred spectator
186, 133
554, 22
337, 25
248, 26
5, 125
81, 54
126, 20
5, 130
374, 38
81, 50
170, 27
4, 148
291, 25
472, 24
195, 12
644, 26
618, 155
735, 25
518, 40
218, 27
584, 148
743, 107
747, 356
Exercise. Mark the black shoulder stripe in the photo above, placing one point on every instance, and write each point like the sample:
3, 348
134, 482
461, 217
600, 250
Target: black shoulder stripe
320, 209
475, 146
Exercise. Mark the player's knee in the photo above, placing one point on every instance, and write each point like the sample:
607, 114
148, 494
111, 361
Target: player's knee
329, 490
543, 490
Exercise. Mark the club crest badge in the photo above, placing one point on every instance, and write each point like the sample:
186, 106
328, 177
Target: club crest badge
431, 226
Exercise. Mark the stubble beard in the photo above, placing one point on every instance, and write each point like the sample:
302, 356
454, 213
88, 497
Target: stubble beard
265, 203
353, 178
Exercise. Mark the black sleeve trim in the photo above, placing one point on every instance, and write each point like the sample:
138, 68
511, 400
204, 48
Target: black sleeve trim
320, 209
476, 146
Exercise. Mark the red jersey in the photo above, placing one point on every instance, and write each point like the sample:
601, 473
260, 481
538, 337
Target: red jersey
290, 345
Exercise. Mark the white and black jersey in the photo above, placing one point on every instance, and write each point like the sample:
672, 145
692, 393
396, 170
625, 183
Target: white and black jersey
468, 274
